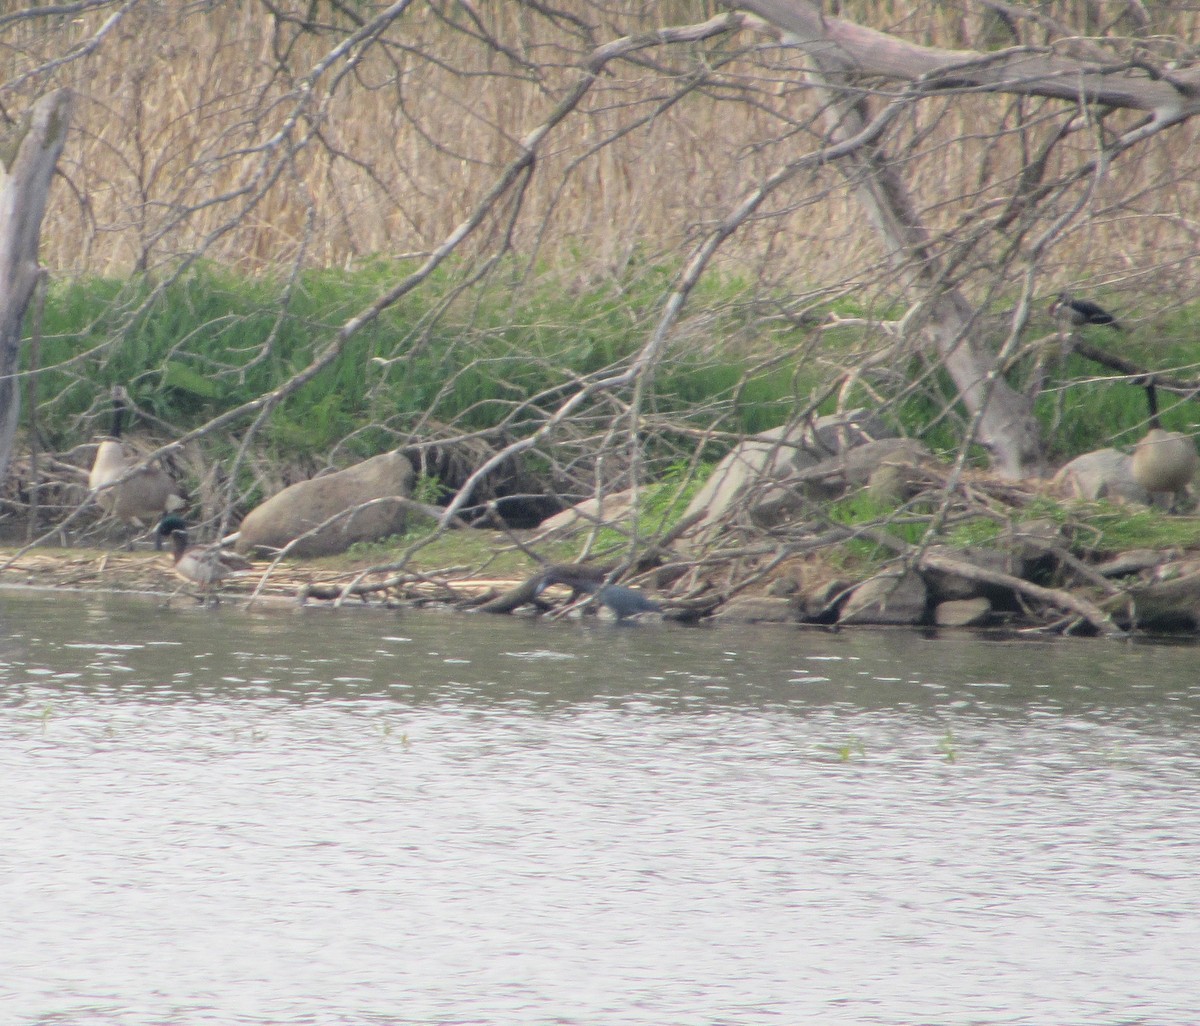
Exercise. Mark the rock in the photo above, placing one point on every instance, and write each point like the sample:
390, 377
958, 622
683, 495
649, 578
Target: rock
781, 587
781, 456
1103, 474
1135, 561
962, 612
301, 507
752, 464
839, 432
1164, 463
856, 466
820, 601
887, 599
777, 506
1171, 601
757, 609
587, 513
863, 461
945, 586
891, 485
1031, 541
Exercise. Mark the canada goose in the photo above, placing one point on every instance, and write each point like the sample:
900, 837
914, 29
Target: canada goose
137, 497
1164, 463
1079, 312
205, 565
589, 579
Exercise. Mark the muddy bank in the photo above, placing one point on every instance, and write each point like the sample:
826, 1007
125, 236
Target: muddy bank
151, 573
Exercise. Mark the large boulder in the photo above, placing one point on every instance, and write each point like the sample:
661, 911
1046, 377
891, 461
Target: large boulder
1169, 601
593, 511
758, 609
301, 507
746, 470
887, 599
749, 474
1103, 474
972, 612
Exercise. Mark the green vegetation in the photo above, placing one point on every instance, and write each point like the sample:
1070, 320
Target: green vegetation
504, 353
479, 358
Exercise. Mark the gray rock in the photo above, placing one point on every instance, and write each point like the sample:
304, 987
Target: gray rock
301, 507
1135, 561
587, 513
838, 432
866, 459
856, 466
772, 474
892, 483
1103, 474
820, 600
1169, 602
963, 612
1031, 540
887, 599
751, 465
757, 609
945, 586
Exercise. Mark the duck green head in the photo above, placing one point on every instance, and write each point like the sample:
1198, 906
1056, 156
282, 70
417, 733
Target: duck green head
167, 527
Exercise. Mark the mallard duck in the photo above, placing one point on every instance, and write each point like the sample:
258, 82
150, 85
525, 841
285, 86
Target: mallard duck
205, 565
136, 497
1079, 312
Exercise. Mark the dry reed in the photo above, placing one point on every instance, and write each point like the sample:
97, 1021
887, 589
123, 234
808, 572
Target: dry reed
205, 129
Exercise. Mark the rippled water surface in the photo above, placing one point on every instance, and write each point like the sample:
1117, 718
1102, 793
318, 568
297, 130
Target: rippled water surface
215, 817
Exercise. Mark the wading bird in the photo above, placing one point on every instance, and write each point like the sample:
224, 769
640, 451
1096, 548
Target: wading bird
589, 580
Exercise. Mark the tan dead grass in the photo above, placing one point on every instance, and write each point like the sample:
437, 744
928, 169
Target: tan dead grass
174, 147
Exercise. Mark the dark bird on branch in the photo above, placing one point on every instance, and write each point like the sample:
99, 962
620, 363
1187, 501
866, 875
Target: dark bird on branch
1078, 312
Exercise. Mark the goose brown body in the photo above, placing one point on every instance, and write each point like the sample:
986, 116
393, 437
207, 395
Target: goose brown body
1165, 462
135, 495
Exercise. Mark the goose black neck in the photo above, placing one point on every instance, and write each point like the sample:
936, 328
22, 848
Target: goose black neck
1152, 403
118, 414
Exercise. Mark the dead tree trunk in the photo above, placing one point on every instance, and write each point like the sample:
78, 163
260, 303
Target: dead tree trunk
843, 55
1006, 424
27, 161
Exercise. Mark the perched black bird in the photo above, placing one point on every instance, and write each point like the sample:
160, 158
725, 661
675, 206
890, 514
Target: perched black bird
1079, 312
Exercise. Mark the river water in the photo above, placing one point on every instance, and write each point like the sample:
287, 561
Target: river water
307, 817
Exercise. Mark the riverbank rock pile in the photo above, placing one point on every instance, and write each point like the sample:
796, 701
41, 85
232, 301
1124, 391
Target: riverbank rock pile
760, 537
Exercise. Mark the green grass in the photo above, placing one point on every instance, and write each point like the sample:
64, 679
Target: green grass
1104, 528
468, 356
504, 352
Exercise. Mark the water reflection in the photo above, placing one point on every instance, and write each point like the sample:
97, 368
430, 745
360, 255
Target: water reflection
292, 817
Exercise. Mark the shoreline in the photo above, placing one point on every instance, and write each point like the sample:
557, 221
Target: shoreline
299, 585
